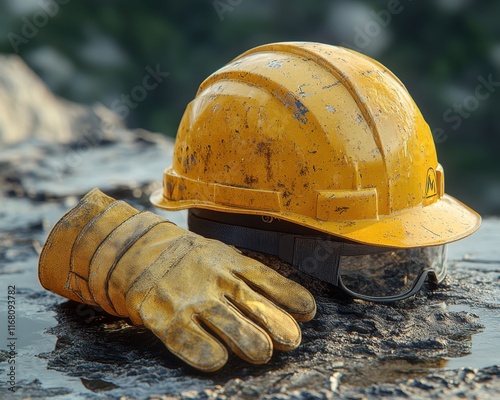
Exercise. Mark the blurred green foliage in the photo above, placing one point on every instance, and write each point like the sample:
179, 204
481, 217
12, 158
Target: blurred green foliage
99, 50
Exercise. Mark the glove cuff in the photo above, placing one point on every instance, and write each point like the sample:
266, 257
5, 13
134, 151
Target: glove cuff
55, 259
99, 249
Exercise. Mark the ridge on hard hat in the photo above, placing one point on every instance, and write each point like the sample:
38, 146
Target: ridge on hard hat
320, 136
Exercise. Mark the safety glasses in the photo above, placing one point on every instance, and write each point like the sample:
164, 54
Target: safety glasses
391, 275
366, 272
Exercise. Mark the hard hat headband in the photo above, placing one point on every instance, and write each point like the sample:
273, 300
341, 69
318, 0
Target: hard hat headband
371, 273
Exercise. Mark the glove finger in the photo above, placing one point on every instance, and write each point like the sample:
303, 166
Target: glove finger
185, 338
289, 295
243, 336
281, 326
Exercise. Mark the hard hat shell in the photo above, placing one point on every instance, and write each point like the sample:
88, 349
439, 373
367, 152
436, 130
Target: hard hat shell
317, 135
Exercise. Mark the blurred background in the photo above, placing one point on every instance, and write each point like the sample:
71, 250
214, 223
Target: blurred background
446, 52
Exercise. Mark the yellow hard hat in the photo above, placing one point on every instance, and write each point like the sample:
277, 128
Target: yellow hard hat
320, 136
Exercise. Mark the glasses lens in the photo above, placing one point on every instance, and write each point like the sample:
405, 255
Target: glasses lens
390, 273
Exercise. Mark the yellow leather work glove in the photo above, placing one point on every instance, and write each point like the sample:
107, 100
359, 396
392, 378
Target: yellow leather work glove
190, 291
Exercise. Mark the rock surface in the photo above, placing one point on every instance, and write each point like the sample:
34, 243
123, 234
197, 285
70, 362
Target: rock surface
442, 343
30, 111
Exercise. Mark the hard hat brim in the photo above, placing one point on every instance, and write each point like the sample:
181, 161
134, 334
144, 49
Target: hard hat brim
444, 221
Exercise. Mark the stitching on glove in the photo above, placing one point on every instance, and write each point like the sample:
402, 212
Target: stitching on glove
97, 252
92, 235
182, 242
82, 292
234, 305
127, 245
264, 324
256, 288
262, 321
96, 281
72, 269
200, 323
126, 212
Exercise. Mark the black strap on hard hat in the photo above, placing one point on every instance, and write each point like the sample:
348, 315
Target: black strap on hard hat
315, 256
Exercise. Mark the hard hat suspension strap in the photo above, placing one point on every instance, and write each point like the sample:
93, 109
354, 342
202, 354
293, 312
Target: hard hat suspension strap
315, 256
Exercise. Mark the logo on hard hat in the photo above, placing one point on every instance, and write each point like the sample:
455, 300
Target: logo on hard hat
430, 183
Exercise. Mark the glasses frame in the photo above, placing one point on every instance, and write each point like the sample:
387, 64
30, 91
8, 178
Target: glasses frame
426, 272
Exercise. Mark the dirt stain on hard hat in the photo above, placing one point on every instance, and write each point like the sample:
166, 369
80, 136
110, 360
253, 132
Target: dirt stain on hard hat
264, 149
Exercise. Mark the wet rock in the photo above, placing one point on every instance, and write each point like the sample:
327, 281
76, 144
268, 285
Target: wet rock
441, 343
462, 383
